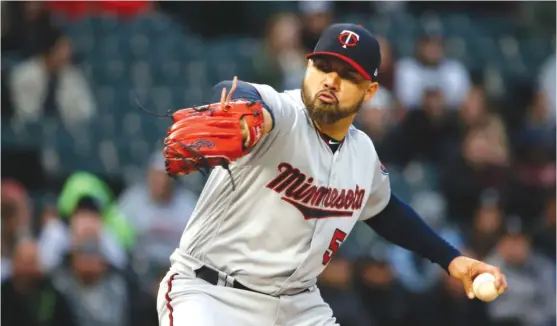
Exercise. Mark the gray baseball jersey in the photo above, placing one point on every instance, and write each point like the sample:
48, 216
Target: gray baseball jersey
295, 202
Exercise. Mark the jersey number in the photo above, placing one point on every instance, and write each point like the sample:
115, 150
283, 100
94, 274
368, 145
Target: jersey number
336, 241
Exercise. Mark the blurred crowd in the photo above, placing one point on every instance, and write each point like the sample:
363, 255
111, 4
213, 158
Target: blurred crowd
472, 153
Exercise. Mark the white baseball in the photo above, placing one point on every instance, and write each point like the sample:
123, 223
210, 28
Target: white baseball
484, 287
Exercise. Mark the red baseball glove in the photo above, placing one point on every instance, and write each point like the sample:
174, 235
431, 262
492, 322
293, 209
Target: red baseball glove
212, 135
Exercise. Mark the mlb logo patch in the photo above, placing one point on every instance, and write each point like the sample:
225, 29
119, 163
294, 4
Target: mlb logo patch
384, 169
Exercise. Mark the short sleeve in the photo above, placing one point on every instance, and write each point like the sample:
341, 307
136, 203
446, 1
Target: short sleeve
280, 106
380, 192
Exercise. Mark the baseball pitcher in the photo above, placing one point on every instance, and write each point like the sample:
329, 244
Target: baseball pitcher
290, 178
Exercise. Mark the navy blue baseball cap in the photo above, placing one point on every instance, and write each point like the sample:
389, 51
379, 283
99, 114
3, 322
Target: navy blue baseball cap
353, 44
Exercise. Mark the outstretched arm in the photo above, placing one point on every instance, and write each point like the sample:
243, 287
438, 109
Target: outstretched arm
400, 224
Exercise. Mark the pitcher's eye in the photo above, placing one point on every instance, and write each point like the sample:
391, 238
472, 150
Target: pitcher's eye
351, 76
322, 66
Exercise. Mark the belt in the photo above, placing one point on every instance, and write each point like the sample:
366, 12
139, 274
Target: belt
211, 276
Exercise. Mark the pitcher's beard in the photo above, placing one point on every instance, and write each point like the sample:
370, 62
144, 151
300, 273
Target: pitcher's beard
327, 113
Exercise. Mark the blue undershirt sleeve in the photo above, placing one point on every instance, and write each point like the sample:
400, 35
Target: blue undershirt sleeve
400, 224
244, 91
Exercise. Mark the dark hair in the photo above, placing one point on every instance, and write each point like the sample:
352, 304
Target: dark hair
9, 209
88, 203
47, 43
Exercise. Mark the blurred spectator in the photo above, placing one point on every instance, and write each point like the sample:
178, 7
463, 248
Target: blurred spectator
381, 293
56, 237
50, 84
10, 236
377, 117
530, 187
547, 86
426, 134
158, 211
85, 209
452, 307
14, 193
483, 163
335, 285
474, 110
487, 227
100, 295
538, 17
533, 141
530, 299
545, 110
28, 28
387, 69
281, 62
544, 234
84, 184
315, 16
429, 67
16, 219
538, 124
7, 103
28, 297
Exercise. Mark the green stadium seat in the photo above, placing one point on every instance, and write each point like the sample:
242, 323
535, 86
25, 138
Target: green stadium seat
108, 154
497, 26
194, 95
106, 25
107, 125
534, 51
193, 48
138, 151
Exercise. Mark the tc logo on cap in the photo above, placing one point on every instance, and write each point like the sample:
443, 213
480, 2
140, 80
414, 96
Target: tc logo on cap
348, 38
